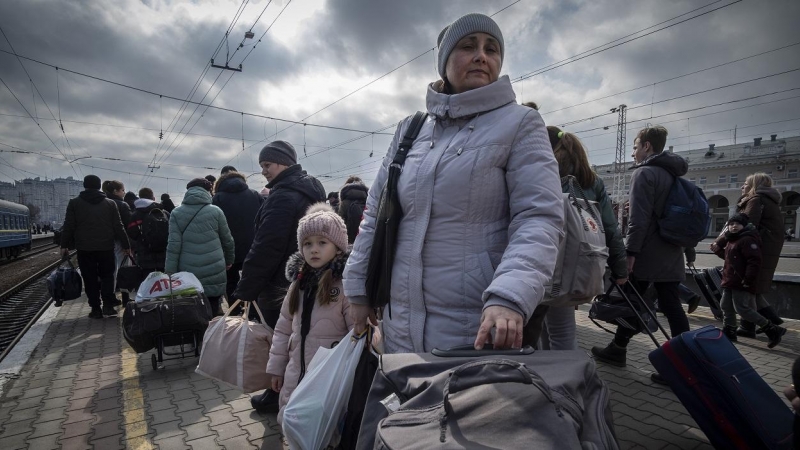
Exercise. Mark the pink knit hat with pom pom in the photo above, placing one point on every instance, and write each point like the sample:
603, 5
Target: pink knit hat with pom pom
320, 220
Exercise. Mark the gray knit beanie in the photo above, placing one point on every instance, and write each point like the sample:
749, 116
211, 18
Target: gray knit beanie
464, 26
278, 152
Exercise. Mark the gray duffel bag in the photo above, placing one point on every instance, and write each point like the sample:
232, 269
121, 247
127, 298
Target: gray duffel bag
501, 400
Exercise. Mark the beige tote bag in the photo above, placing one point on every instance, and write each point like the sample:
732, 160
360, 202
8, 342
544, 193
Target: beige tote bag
235, 351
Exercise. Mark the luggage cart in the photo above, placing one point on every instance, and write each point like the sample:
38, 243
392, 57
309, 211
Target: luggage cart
188, 345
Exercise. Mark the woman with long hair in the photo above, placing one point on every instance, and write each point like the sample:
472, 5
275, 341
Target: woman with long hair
559, 331
761, 202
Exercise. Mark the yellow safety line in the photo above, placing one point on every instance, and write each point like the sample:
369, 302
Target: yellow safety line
133, 413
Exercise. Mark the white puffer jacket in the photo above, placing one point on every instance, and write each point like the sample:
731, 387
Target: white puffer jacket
483, 216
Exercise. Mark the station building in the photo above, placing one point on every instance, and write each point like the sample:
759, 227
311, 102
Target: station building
721, 170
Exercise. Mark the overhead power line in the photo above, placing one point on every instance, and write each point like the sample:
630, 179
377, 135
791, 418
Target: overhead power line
670, 79
616, 43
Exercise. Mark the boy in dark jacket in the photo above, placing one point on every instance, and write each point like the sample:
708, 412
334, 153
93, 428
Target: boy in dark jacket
742, 255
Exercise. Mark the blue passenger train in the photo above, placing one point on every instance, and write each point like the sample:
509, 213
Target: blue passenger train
15, 229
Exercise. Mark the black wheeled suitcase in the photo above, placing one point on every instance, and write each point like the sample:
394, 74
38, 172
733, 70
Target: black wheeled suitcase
64, 283
712, 293
462, 398
728, 399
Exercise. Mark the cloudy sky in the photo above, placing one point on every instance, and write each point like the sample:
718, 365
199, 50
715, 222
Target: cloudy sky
317, 52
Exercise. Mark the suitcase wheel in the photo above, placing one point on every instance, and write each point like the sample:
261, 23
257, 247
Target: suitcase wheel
154, 360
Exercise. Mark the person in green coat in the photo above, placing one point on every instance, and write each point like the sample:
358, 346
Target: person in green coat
558, 332
200, 241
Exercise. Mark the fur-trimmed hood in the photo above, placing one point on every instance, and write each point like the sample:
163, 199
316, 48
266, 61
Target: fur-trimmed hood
231, 182
296, 261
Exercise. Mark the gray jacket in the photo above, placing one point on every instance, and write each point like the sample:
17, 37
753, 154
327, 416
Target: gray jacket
656, 259
483, 216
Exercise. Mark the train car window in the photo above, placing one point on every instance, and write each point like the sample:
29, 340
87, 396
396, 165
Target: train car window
5, 222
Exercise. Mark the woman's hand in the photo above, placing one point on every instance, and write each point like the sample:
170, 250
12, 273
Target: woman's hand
714, 247
277, 383
621, 281
359, 314
508, 323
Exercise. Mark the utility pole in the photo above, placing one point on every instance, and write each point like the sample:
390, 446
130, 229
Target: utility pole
618, 190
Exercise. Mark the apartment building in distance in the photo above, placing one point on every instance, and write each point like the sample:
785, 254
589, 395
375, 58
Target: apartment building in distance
51, 196
721, 170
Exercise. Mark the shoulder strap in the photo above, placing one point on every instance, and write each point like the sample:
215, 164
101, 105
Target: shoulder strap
408, 139
192, 219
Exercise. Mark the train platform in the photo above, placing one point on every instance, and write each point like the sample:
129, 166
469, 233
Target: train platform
82, 387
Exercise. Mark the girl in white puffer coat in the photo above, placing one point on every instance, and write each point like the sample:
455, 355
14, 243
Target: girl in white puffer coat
315, 311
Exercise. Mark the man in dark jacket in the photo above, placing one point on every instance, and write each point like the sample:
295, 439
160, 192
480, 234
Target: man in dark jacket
91, 226
240, 205
651, 259
292, 191
150, 258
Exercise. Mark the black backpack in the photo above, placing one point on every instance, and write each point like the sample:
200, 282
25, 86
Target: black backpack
155, 230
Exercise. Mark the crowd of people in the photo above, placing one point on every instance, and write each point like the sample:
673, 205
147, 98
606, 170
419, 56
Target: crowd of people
482, 216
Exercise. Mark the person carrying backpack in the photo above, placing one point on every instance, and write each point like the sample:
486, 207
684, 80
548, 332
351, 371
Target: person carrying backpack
352, 201
651, 258
559, 331
148, 230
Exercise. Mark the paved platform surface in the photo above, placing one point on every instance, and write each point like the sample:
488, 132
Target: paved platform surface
83, 388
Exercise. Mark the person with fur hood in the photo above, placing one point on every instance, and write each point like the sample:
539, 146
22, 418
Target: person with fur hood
314, 313
742, 255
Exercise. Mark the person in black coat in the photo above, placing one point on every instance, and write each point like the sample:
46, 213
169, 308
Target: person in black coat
167, 203
352, 201
148, 260
91, 225
240, 205
292, 191
129, 198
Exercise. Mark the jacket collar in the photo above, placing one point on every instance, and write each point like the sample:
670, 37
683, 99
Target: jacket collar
465, 104
296, 261
287, 173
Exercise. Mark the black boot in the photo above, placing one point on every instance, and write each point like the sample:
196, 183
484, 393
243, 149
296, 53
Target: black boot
730, 332
774, 333
612, 354
266, 402
770, 314
747, 329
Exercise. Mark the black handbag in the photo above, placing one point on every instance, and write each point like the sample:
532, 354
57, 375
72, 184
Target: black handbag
381, 256
130, 276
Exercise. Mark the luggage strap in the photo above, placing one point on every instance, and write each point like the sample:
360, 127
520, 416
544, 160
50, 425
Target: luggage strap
693, 381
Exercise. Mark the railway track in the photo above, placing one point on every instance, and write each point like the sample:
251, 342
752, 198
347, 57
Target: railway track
35, 250
21, 306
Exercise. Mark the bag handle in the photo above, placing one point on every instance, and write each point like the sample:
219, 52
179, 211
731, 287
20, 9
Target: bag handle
488, 350
127, 258
576, 192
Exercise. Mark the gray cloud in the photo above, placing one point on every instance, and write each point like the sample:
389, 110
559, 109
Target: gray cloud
339, 45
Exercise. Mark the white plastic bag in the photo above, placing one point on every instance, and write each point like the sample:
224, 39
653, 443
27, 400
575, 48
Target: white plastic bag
319, 403
159, 284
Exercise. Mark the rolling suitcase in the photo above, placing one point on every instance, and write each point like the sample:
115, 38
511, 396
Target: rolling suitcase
462, 398
731, 403
711, 292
